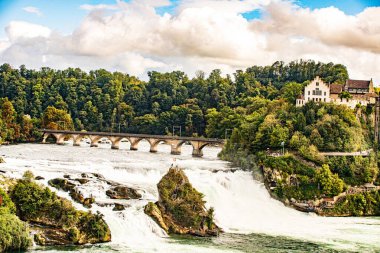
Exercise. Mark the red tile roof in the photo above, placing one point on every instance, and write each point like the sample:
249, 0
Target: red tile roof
358, 84
336, 88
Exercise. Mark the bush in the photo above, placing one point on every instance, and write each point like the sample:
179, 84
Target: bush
6, 204
14, 234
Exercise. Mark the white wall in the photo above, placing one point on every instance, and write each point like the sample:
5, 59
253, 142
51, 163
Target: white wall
318, 91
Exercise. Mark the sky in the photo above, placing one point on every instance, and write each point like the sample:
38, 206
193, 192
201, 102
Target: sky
137, 36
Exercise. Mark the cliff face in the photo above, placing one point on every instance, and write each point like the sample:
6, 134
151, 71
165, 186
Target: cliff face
181, 209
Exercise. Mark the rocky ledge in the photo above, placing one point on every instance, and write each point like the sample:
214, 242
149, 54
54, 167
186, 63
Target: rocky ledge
53, 219
181, 208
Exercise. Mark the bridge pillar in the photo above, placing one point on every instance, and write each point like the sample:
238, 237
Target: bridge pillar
134, 143
197, 152
175, 146
45, 137
153, 145
197, 148
115, 142
60, 138
76, 139
94, 140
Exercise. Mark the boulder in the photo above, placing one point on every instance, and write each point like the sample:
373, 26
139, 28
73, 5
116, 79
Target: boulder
123, 192
118, 207
78, 197
62, 184
82, 180
2, 160
181, 209
39, 178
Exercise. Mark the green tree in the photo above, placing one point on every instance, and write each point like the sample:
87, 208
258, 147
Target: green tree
330, 184
54, 118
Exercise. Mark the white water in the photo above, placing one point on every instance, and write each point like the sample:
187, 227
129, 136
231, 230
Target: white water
242, 205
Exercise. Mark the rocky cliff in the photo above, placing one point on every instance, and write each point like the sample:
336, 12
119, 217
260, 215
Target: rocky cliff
181, 208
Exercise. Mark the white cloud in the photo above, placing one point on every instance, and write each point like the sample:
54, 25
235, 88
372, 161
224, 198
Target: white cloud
17, 30
201, 34
89, 7
33, 10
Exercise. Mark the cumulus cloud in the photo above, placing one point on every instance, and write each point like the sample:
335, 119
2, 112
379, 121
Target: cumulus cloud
33, 10
17, 30
201, 34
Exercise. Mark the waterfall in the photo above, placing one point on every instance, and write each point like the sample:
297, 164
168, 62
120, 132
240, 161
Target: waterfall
242, 205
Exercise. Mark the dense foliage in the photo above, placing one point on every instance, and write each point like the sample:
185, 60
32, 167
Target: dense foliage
35, 203
297, 180
14, 234
360, 204
105, 101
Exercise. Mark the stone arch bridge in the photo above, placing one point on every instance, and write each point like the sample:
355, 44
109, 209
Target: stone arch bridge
175, 142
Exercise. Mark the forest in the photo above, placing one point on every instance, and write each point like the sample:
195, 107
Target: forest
209, 106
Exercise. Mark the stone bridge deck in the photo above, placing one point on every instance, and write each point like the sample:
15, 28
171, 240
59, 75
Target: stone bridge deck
174, 141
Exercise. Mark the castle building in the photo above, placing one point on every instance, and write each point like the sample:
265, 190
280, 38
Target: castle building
352, 93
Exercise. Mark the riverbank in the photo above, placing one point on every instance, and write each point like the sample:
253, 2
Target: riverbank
324, 188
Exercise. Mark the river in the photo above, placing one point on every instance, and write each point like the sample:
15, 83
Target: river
253, 221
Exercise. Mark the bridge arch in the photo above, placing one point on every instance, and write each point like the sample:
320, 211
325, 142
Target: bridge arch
48, 136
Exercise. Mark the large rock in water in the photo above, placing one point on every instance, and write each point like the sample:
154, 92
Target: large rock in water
181, 209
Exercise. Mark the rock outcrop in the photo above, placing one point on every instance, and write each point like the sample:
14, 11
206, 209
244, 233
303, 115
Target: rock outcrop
123, 192
181, 209
53, 219
65, 185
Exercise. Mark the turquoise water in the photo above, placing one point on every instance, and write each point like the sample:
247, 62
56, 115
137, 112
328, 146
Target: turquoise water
229, 243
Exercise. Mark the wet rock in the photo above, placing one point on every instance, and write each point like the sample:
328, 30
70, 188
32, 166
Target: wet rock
98, 176
123, 192
153, 211
49, 236
2, 171
66, 176
78, 197
181, 209
118, 207
84, 175
82, 180
39, 178
87, 202
62, 184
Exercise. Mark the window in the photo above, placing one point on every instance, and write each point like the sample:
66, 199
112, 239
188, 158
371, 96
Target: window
317, 92
325, 98
308, 93
325, 93
317, 84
